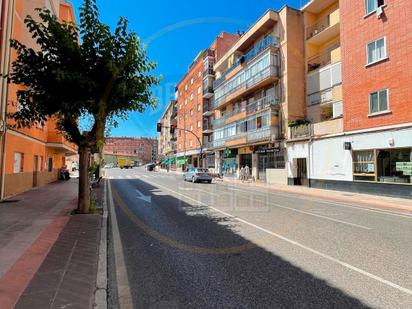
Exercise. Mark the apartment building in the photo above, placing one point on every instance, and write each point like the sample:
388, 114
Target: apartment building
367, 81
259, 88
31, 156
167, 140
194, 95
141, 149
323, 96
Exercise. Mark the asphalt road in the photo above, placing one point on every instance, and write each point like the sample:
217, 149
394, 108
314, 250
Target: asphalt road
176, 244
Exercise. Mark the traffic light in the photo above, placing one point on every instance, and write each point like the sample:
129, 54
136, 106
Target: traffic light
172, 129
159, 127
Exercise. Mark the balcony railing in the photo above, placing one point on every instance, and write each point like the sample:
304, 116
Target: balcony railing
262, 103
259, 134
321, 97
301, 132
250, 55
318, 27
208, 90
219, 122
269, 71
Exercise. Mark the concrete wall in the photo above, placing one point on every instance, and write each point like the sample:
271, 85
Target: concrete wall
277, 176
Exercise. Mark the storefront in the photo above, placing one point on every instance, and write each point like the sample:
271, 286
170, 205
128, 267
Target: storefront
383, 165
269, 157
229, 162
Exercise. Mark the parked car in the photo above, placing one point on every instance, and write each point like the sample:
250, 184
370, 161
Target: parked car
109, 165
195, 174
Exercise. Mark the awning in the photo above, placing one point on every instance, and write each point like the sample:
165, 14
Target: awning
172, 160
181, 161
164, 162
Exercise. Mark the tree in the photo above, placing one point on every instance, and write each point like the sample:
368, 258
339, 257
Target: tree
104, 76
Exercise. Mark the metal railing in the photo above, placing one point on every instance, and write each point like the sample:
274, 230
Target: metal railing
250, 55
320, 97
259, 134
317, 28
270, 70
262, 103
208, 89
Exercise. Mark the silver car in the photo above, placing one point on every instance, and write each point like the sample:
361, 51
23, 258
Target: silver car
194, 174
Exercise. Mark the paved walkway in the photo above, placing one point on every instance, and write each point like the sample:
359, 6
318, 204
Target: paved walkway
48, 258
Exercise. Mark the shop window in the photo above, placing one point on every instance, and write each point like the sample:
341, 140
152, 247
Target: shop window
18, 162
364, 165
394, 165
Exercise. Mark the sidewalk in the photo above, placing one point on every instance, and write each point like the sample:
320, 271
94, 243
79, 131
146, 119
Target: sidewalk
336, 196
48, 258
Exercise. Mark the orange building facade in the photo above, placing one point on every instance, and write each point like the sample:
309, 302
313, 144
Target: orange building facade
31, 156
194, 96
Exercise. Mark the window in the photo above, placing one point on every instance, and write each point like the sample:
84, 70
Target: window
185, 87
18, 162
50, 165
364, 165
191, 81
191, 112
191, 143
185, 101
379, 101
372, 5
199, 90
180, 106
198, 124
377, 50
199, 74
191, 96
191, 128
198, 107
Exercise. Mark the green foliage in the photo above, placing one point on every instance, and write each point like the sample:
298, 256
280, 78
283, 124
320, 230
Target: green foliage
104, 75
297, 123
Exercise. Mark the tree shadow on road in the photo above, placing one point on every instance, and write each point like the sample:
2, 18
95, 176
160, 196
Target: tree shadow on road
188, 256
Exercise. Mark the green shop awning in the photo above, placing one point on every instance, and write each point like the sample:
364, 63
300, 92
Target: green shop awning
181, 161
172, 160
164, 162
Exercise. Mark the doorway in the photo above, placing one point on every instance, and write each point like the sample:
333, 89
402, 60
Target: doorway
35, 170
302, 174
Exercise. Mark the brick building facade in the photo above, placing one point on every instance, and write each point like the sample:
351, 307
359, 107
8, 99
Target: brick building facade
143, 150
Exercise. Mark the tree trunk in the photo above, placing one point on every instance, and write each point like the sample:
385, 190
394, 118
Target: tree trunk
84, 185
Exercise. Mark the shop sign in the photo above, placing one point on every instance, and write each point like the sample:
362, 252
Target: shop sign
266, 149
404, 167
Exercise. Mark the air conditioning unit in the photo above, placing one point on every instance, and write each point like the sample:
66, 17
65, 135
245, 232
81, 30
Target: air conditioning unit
380, 12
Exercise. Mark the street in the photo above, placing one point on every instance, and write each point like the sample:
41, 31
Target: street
175, 244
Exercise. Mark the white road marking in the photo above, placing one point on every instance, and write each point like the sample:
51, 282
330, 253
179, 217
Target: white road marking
313, 214
361, 208
123, 288
146, 198
297, 244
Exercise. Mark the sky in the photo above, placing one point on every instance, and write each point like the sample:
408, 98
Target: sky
174, 32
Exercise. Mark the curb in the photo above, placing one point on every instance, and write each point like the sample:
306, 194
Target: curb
100, 296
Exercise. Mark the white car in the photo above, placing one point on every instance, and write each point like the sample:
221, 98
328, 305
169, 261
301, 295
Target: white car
195, 174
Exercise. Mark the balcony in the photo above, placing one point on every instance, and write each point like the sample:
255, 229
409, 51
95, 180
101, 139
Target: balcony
208, 92
333, 126
264, 77
270, 101
325, 29
268, 133
208, 72
262, 103
304, 131
207, 128
269, 41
